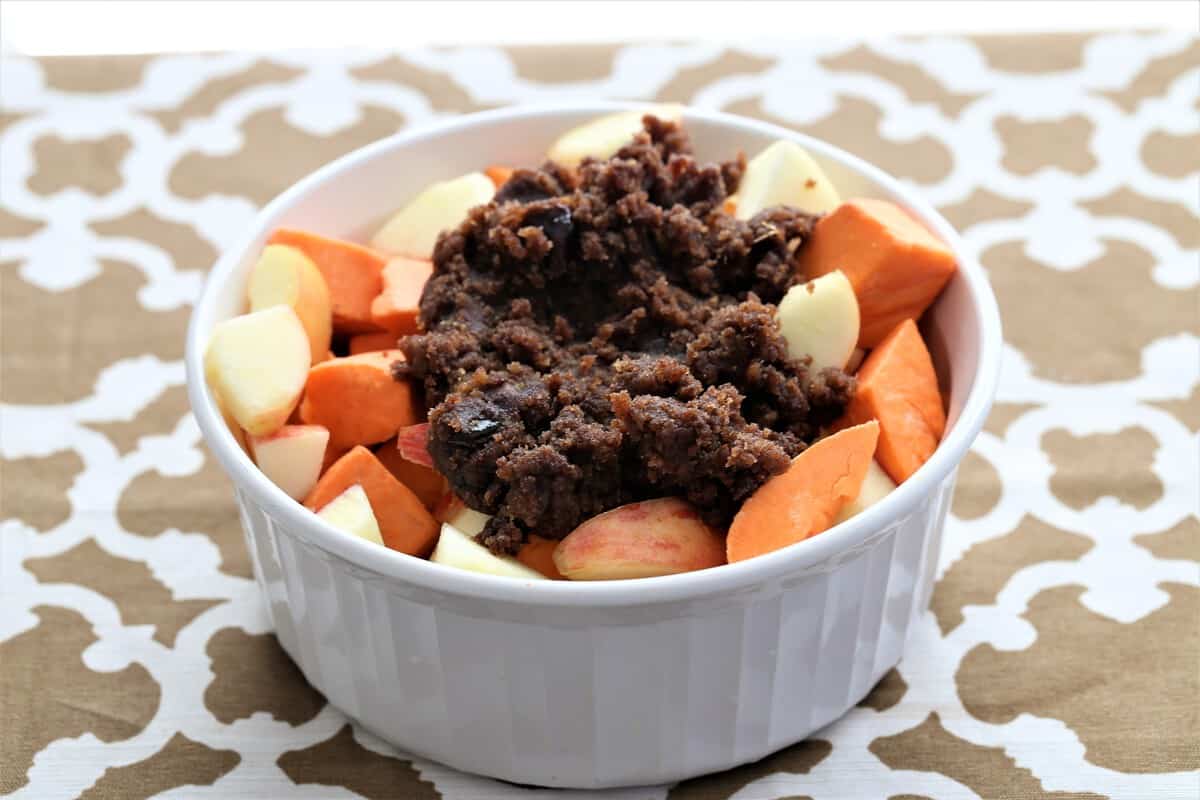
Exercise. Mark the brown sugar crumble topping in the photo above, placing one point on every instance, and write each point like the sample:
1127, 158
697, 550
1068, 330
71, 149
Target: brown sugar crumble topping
606, 335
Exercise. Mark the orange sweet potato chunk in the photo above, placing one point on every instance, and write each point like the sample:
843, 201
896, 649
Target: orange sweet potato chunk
498, 175
425, 482
538, 554
804, 500
358, 400
395, 308
898, 387
353, 273
404, 523
896, 266
371, 342
332, 454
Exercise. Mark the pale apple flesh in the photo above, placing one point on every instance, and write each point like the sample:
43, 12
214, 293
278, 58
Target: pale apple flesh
603, 137
876, 486
469, 521
351, 512
820, 319
456, 548
285, 276
454, 511
784, 174
640, 540
414, 229
258, 363
291, 457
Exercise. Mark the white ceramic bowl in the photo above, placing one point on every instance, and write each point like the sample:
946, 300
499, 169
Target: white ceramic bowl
594, 684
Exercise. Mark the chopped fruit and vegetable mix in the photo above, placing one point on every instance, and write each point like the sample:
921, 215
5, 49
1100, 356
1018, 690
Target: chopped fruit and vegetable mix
623, 363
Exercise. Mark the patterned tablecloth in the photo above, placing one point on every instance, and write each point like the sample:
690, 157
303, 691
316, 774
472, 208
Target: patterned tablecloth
1061, 656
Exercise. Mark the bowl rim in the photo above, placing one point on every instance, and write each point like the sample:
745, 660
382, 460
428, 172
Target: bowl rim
800, 557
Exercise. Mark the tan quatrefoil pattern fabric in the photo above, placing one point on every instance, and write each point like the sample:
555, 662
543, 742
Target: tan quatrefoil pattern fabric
1061, 656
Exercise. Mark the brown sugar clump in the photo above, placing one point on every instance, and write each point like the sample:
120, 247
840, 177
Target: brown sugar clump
608, 335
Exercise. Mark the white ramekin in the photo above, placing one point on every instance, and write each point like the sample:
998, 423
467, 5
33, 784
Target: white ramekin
594, 684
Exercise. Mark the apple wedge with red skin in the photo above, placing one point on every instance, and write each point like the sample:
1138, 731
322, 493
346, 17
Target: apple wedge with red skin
640, 540
411, 441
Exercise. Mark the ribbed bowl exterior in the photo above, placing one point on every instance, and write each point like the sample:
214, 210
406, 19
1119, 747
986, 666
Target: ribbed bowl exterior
607, 684
598, 697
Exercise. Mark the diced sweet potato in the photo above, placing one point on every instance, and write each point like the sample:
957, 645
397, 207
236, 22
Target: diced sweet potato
896, 266
352, 272
372, 342
448, 507
395, 309
498, 175
404, 522
332, 454
804, 500
538, 553
426, 482
358, 400
898, 386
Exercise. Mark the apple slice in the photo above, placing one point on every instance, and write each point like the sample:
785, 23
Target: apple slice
468, 520
414, 229
784, 175
285, 276
258, 364
351, 512
820, 319
640, 540
291, 457
457, 549
876, 486
411, 441
603, 137
453, 510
